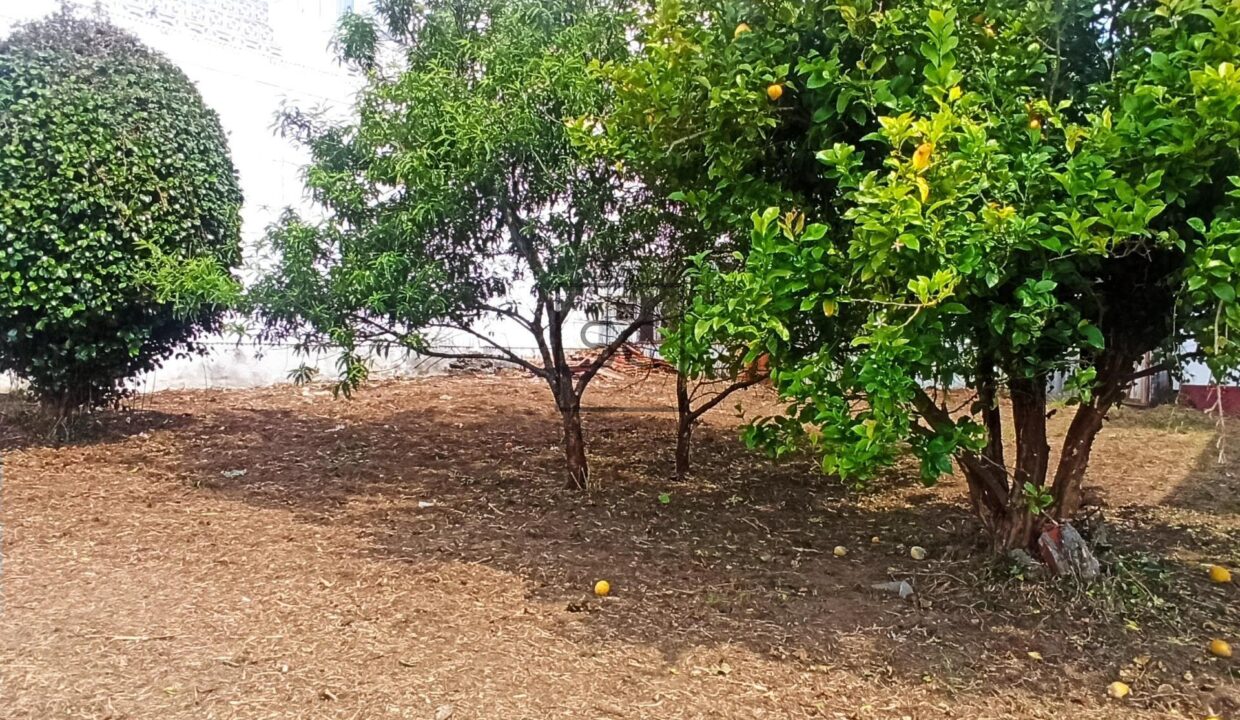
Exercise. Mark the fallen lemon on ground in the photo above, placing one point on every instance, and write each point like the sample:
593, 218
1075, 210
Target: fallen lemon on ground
1220, 648
840, 551
602, 588
775, 92
1118, 690
1219, 574
917, 552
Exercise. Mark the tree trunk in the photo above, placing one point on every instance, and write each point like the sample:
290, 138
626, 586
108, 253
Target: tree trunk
1019, 527
1029, 418
1007, 519
684, 447
992, 453
1114, 366
575, 449
684, 426
1002, 505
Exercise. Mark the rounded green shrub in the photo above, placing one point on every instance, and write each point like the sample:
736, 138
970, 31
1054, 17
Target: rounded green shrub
114, 178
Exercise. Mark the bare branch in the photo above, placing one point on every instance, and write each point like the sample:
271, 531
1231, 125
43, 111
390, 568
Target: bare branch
507, 355
723, 395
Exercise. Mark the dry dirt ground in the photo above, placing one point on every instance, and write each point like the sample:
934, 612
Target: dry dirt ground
410, 554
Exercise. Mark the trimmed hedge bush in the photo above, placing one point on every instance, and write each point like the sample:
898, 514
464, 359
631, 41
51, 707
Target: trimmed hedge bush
113, 174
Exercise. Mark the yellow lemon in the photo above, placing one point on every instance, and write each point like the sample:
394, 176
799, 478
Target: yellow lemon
840, 551
1035, 124
1219, 574
740, 30
1220, 648
1118, 690
917, 552
602, 588
775, 91
921, 156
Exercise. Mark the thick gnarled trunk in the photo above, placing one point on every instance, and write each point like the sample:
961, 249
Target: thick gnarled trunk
1001, 495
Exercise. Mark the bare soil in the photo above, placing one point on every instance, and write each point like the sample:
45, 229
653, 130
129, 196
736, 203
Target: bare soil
410, 553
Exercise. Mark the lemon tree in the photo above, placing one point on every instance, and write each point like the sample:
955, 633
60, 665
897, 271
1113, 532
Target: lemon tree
707, 112
1035, 190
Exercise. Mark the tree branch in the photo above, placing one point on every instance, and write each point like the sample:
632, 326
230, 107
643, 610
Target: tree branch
1152, 370
721, 396
609, 350
940, 421
480, 356
508, 355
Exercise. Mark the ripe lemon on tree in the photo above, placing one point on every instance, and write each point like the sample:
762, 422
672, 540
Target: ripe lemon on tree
740, 30
774, 91
602, 588
921, 156
1219, 574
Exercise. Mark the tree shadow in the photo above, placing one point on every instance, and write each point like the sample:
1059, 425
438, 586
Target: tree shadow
23, 426
1213, 484
740, 554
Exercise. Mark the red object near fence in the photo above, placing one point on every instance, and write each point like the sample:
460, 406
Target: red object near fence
1206, 397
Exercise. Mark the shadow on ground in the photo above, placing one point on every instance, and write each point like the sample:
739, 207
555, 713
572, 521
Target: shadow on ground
740, 554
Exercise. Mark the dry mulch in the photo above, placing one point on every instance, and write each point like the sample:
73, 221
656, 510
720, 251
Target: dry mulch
410, 553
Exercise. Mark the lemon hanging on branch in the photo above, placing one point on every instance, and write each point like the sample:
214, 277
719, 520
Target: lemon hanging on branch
774, 91
921, 156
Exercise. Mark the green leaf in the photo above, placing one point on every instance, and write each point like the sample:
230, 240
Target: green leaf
1093, 336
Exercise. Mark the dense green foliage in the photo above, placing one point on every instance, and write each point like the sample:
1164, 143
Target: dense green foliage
456, 199
1008, 191
116, 194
